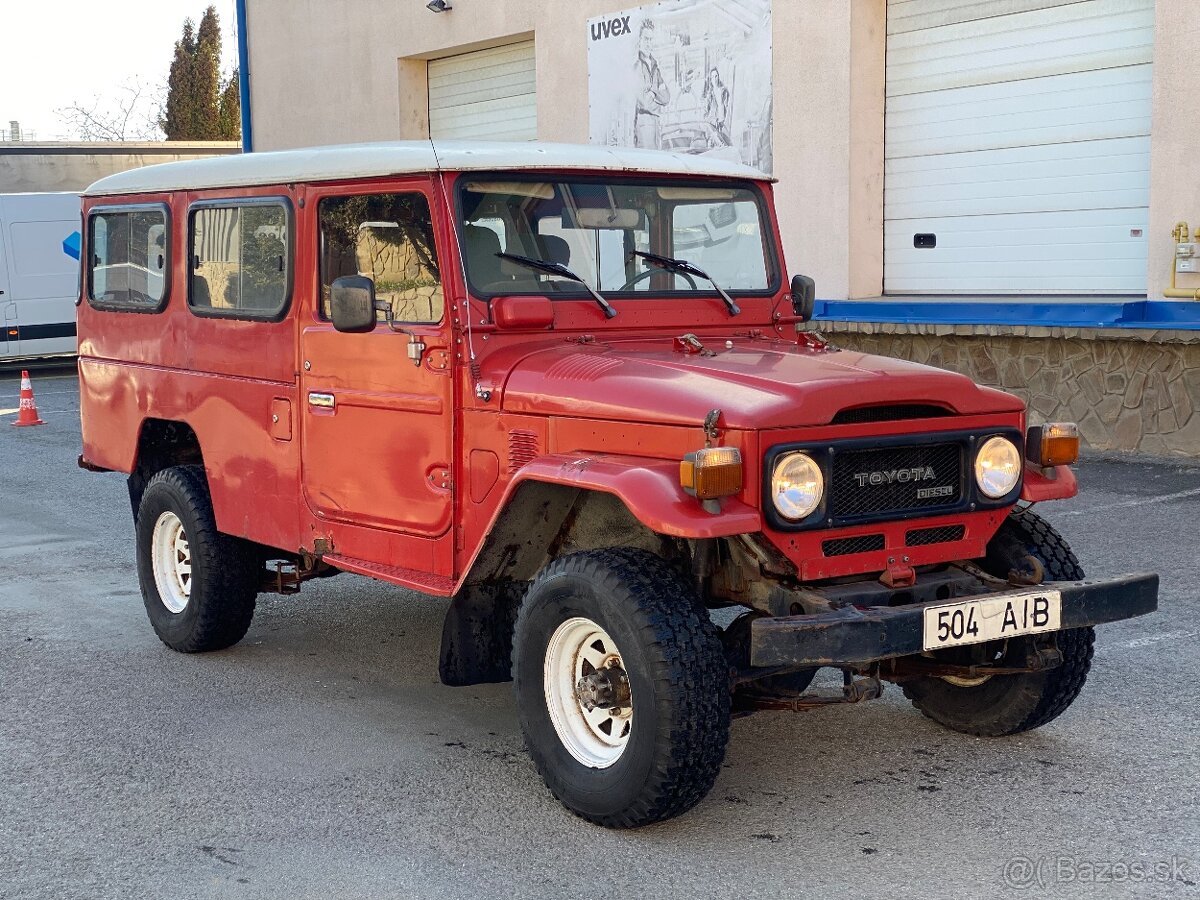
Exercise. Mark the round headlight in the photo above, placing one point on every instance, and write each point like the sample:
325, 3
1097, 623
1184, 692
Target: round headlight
796, 486
997, 467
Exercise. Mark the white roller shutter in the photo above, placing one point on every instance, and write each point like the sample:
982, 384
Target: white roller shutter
485, 95
1018, 136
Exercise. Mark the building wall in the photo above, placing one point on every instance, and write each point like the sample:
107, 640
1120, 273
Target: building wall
367, 82
72, 167
335, 72
1175, 137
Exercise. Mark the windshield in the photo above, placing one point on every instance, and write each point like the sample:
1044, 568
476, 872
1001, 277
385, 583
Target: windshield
594, 227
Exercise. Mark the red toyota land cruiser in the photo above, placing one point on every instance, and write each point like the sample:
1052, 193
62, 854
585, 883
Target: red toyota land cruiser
568, 388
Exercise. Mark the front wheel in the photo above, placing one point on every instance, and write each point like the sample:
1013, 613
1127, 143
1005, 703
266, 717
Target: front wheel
622, 687
992, 706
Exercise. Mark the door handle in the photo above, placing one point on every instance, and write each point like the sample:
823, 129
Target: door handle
321, 401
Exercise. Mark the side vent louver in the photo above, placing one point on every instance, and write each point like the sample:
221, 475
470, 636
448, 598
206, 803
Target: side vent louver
522, 448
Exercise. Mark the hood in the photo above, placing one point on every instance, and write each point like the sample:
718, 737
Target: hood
757, 384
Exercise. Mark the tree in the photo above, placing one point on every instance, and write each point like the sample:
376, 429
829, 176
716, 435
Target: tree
179, 118
131, 115
201, 106
229, 108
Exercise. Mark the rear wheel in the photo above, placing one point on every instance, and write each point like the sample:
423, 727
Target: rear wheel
199, 585
996, 705
622, 687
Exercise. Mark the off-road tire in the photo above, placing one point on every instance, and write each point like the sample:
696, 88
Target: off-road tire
678, 676
1010, 704
225, 569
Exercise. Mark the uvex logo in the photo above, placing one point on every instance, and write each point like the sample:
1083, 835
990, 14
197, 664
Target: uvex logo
611, 28
891, 476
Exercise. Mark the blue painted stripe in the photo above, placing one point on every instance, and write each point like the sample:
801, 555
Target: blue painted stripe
1183, 314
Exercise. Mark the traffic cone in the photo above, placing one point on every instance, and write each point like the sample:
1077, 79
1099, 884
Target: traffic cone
28, 414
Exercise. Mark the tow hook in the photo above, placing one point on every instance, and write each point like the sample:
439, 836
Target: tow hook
898, 574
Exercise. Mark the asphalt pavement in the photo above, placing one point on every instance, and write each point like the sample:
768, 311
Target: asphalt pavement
322, 758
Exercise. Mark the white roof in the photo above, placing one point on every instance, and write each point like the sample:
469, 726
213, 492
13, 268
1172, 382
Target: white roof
404, 157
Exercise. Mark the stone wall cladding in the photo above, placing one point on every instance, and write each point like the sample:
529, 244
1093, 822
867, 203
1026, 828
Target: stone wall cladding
1130, 390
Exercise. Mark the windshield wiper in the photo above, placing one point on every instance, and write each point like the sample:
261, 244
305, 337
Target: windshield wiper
682, 266
553, 268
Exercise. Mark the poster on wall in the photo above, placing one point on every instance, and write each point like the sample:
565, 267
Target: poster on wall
692, 76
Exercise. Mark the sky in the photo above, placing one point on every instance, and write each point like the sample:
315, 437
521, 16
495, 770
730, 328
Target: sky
61, 52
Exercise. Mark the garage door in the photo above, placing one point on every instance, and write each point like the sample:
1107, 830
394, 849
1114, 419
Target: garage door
486, 95
1017, 146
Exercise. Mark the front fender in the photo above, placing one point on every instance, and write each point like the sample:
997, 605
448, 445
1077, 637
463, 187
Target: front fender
537, 504
649, 488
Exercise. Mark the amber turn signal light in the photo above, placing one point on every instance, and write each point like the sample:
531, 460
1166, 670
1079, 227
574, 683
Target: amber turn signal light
712, 472
1052, 444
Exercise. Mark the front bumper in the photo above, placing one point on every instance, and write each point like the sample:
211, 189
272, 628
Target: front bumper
855, 636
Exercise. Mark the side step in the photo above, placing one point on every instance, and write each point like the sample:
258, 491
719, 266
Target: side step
438, 585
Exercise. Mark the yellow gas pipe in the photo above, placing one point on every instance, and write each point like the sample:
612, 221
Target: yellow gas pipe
1180, 234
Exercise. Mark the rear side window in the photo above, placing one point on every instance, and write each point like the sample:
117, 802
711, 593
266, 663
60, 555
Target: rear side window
128, 262
240, 264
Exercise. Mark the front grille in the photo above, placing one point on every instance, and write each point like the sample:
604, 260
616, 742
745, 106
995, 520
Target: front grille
921, 537
873, 482
891, 413
864, 543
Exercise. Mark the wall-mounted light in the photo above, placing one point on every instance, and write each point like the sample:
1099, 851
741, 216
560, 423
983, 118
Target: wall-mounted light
439, 6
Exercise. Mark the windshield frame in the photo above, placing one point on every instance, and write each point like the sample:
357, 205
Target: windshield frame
771, 254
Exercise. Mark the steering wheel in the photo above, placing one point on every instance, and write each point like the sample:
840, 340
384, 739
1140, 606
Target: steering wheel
642, 276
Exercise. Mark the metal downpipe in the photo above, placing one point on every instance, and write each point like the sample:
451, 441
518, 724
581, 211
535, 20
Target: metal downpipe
244, 78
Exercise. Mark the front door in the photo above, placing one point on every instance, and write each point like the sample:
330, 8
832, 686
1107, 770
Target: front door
375, 420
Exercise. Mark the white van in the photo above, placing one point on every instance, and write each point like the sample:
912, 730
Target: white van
39, 274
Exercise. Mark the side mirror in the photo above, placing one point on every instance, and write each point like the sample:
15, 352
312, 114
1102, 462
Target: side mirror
804, 297
352, 304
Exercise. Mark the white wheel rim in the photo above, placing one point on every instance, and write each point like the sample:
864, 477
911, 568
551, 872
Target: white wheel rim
580, 650
172, 560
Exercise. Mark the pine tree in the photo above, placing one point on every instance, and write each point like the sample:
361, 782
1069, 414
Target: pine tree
207, 68
178, 116
229, 125
199, 106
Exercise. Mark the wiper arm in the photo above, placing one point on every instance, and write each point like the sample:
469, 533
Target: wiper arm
683, 266
553, 268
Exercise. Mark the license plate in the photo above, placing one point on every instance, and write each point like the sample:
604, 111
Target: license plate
992, 618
